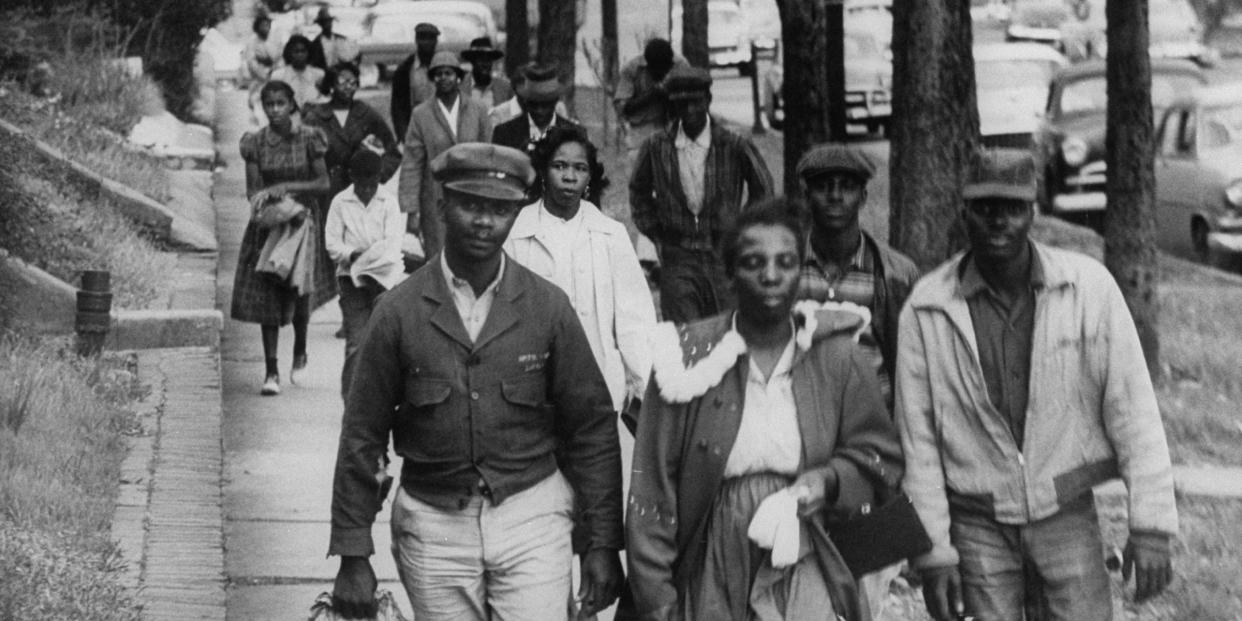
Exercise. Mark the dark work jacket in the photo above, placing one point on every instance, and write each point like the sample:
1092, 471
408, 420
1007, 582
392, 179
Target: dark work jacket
515, 132
681, 450
496, 409
401, 105
362, 121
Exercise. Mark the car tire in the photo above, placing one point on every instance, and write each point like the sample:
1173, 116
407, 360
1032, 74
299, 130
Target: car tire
1199, 240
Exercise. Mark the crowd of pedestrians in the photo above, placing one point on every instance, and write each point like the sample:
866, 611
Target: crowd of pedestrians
806, 380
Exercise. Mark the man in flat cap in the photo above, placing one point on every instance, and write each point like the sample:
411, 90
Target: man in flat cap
688, 186
446, 119
481, 84
330, 48
410, 83
640, 98
540, 93
481, 373
1021, 384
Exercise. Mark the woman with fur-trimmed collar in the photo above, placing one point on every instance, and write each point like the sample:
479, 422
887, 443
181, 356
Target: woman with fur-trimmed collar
758, 425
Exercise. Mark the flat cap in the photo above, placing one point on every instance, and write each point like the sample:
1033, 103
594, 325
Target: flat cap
483, 169
364, 164
1002, 173
425, 28
835, 157
687, 82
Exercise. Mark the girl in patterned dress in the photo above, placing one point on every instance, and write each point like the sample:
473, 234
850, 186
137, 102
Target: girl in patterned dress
285, 157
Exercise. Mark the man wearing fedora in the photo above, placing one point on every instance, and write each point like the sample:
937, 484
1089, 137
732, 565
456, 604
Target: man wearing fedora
330, 48
480, 84
480, 373
446, 119
689, 184
539, 93
410, 82
1021, 384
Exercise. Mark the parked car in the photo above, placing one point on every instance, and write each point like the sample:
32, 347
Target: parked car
1037, 20
1199, 175
388, 34
728, 35
989, 10
868, 83
1011, 86
1069, 146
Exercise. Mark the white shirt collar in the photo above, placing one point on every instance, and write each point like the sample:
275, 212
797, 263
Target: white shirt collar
784, 364
458, 283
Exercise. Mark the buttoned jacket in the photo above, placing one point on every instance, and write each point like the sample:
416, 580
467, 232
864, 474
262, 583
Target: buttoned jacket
616, 310
428, 136
1092, 413
499, 409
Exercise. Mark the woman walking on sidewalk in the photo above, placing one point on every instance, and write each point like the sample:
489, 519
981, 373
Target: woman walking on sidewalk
285, 158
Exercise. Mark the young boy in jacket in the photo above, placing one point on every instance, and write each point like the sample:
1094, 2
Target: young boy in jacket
1021, 384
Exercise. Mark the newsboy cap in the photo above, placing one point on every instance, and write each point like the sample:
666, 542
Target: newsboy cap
1002, 173
486, 170
426, 29
687, 83
835, 157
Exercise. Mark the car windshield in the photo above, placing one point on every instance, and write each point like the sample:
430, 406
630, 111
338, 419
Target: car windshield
1000, 75
1089, 94
1221, 126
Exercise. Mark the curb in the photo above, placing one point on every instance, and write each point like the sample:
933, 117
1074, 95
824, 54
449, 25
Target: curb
163, 329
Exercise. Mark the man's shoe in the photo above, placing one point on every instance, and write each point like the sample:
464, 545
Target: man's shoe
297, 375
271, 385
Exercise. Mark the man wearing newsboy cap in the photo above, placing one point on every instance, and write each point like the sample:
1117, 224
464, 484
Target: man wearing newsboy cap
481, 374
1021, 385
686, 190
410, 83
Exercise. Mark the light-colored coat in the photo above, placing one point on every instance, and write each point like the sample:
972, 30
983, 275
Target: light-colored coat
1092, 413
428, 136
620, 315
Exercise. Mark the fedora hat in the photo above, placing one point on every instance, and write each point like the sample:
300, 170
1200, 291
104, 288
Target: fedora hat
541, 84
481, 49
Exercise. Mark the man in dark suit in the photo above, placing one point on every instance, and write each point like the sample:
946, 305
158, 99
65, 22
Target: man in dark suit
410, 84
539, 95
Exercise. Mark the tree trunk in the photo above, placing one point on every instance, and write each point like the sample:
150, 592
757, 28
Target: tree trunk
1130, 218
934, 132
694, 32
804, 48
517, 36
558, 41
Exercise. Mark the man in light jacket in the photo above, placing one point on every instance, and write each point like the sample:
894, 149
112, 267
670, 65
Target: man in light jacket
1021, 384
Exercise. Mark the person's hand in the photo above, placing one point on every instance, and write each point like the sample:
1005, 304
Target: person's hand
942, 593
601, 580
813, 488
353, 593
277, 191
1147, 556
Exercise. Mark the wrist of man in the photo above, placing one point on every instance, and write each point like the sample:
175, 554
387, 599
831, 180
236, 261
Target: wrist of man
1155, 541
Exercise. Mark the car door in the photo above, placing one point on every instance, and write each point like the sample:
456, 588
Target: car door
1177, 188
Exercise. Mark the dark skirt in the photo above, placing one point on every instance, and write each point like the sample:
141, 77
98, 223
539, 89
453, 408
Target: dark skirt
736, 581
260, 298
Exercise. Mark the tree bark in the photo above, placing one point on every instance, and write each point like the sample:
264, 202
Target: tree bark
804, 50
1130, 218
934, 132
558, 41
694, 44
517, 36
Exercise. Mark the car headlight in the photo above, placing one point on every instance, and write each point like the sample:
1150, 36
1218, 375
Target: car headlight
1233, 193
1074, 151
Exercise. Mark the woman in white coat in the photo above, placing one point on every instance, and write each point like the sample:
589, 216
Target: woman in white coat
565, 238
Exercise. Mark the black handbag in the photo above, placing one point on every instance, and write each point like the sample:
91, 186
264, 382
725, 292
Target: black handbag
879, 535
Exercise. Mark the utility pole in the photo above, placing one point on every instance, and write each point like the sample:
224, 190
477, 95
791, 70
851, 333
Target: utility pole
517, 35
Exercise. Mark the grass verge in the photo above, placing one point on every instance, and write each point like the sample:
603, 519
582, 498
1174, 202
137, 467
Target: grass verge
50, 227
61, 424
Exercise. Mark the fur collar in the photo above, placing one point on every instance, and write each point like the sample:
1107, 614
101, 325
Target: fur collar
688, 360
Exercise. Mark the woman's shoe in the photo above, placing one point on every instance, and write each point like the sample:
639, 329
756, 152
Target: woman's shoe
298, 374
271, 385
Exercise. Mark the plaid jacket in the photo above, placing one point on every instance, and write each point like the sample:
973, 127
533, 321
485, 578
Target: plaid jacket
659, 203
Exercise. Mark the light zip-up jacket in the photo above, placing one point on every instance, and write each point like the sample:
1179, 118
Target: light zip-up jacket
1092, 414
610, 293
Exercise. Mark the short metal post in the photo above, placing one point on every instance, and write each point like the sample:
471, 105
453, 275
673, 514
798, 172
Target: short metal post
757, 127
94, 312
